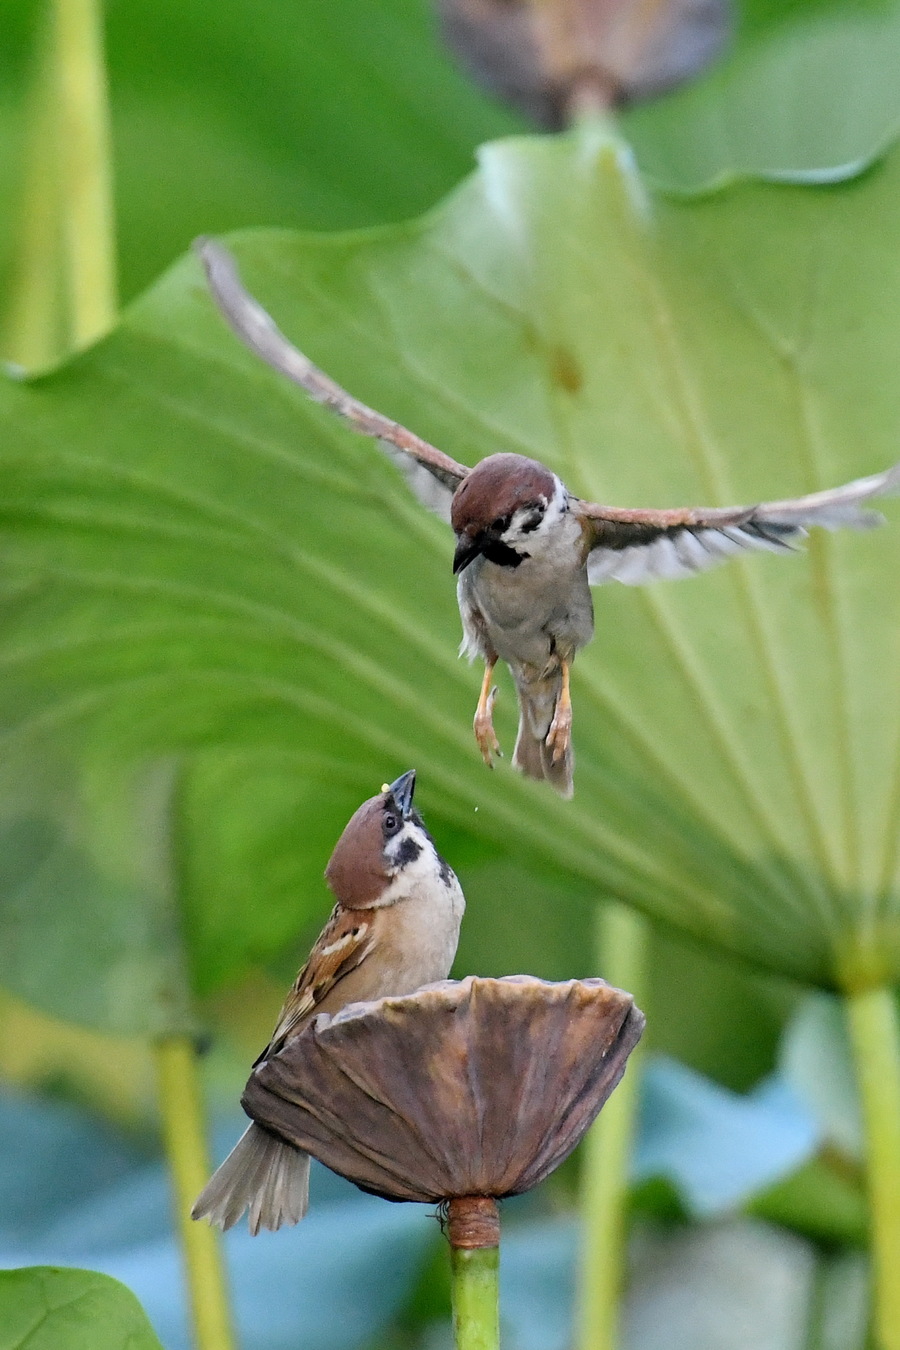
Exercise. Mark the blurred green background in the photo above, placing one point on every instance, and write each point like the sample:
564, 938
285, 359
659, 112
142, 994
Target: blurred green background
177, 765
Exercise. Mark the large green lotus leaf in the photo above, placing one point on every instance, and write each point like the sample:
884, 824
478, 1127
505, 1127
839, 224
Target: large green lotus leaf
128, 888
51, 1308
197, 556
92, 908
808, 94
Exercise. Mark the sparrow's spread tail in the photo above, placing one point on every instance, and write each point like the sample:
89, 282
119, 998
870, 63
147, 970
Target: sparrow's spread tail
261, 1174
532, 756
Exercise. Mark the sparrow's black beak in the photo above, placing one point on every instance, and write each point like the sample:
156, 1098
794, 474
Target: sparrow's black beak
402, 792
467, 550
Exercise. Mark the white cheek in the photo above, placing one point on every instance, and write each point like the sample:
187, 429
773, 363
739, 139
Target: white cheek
538, 537
560, 503
394, 848
413, 872
424, 876
529, 540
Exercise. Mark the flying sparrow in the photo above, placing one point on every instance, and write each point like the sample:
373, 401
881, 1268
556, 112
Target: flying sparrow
394, 928
528, 551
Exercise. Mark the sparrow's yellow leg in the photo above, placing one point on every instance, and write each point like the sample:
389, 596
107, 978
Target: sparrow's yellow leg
484, 723
560, 733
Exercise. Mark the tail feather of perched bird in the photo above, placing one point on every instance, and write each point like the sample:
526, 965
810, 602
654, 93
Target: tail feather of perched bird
394, 928
532, 755
262, 1175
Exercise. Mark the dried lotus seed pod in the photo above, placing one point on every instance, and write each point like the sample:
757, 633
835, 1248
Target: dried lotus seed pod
479, 1087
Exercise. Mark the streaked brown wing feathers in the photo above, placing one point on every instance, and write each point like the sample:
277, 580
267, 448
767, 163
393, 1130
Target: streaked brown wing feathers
258, 331
636, 546
344, 942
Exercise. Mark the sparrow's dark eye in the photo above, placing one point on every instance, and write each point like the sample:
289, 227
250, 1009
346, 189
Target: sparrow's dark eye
391, 823
501, 524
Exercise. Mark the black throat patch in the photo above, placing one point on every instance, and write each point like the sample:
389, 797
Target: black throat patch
408, 851
504, 556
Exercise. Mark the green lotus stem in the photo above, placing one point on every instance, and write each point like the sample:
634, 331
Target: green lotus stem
33, 321
63, 293
85, 167
183, 1128
476, 1309
875, 1036
622, 940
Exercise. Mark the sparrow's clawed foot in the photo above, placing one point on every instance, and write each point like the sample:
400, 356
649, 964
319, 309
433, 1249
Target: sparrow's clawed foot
484, 728
559, 736
484, 718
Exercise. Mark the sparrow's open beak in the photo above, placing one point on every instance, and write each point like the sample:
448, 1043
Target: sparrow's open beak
467, 550
402, 792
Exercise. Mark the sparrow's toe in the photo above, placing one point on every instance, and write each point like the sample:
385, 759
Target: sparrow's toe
484, 729
559, 736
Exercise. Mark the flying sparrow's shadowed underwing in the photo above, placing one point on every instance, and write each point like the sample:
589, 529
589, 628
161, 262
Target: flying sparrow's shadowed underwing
394, 928
528, 551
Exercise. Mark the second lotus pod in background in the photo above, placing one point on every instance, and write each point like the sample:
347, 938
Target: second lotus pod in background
555, 58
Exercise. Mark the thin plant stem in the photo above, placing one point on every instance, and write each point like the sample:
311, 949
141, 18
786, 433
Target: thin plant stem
476, 1309
85, 163
875, 1036
63, 288
33, 322
183, 1126
622, 941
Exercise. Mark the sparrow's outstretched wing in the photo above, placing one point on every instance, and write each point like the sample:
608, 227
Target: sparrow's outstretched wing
432, 475
638, 546
343, 944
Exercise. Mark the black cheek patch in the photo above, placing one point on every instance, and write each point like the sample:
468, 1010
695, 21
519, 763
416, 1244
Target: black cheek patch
408, 851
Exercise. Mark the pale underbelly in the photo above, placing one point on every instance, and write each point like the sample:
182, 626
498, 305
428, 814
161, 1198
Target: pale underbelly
530, 618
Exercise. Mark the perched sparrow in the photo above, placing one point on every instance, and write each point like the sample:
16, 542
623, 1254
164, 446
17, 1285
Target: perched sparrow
528, 551
394, 928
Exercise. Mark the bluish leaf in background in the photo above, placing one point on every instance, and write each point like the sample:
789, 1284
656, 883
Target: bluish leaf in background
716, 1146
732, 1285
74, 1192
52, 1160
71, 1193
738, 1285
841, 1319
816, 1060
735, 1285
537, 1284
